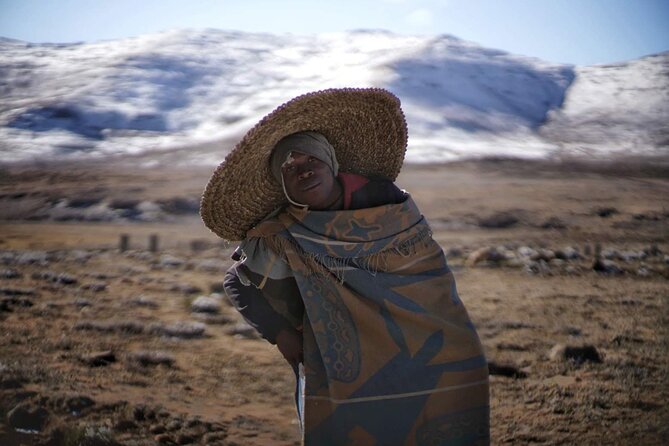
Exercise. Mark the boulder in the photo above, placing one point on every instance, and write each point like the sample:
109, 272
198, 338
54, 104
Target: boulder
27, 417
498, 220
510, 371
99, 359
243, 330
182, 330
608, 267
206, 304
567, 253
152, 358
578, 354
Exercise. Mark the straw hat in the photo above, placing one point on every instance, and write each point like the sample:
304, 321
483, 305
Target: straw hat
365, 126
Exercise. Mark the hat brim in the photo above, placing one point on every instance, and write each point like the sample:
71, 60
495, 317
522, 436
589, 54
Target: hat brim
366, 127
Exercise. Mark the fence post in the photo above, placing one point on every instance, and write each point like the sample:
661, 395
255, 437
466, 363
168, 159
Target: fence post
124, 243
153, 243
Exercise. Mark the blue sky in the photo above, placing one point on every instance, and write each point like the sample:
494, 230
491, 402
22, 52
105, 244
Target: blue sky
581, 32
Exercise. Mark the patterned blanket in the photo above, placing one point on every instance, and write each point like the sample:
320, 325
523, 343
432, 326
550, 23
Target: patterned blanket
390, 355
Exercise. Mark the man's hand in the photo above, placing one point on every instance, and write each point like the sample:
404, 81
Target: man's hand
289, 342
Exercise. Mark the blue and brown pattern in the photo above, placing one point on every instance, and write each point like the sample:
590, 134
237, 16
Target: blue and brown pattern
391, 357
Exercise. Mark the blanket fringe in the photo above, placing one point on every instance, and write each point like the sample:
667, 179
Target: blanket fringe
321, 264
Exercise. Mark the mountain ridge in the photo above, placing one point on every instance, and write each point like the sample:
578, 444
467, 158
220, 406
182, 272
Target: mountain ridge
185, 88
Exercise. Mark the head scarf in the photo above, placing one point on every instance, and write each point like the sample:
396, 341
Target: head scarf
309, 143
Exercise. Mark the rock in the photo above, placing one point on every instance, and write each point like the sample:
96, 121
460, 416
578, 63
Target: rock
553, 223
498, 220
653, 250
605, 212
95, 287
205, 304
609, 254
7, 303
643, 272
6, 291
66, 279
556, 263
243, 330
148, 207
648, 216
151, 358
143, 301
631, 256
157, 429
139, 412
487, 254
163, 439
183, 330
578, 354
44, 275
32, 258
82, 303
10, 274
101, 276
544, 254
573, 331
454, 253
193, 422
129, 327
125, 426
515, 325
50, 276
7, 257
180, 205
570, 269
174, 425
622, 339
526, 251
80, 256
505, 370
99, 359
216, 319
169, 261
607, 267
27, 417
567, 253
77, 403
512, 347
540, 267
185, 288
184, 438
213, 438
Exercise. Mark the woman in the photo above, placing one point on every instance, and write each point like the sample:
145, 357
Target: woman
339, 269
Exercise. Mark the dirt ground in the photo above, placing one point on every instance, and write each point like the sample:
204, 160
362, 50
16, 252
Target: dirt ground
563, 269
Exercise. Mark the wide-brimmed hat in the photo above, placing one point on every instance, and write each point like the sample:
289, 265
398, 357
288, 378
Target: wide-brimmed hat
365, 126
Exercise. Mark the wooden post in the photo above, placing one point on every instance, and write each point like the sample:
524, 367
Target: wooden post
153, 243
124, 243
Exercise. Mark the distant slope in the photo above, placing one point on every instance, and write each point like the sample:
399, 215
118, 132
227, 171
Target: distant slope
620, 108
193, 93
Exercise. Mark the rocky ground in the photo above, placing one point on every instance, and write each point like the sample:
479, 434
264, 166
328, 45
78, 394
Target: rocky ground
564, 271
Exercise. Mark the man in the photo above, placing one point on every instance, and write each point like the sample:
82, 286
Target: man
345, 277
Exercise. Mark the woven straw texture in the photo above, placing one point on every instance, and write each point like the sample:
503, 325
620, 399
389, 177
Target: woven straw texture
366, 127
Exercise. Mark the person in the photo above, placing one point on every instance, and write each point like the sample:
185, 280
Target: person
341, 272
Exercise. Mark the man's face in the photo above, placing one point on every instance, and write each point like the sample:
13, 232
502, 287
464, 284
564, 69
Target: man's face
309, 181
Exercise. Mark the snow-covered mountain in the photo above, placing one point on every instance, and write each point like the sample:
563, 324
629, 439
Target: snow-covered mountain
194, 93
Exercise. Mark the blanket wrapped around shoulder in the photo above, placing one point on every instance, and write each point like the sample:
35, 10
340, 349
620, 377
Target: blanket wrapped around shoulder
390, 355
